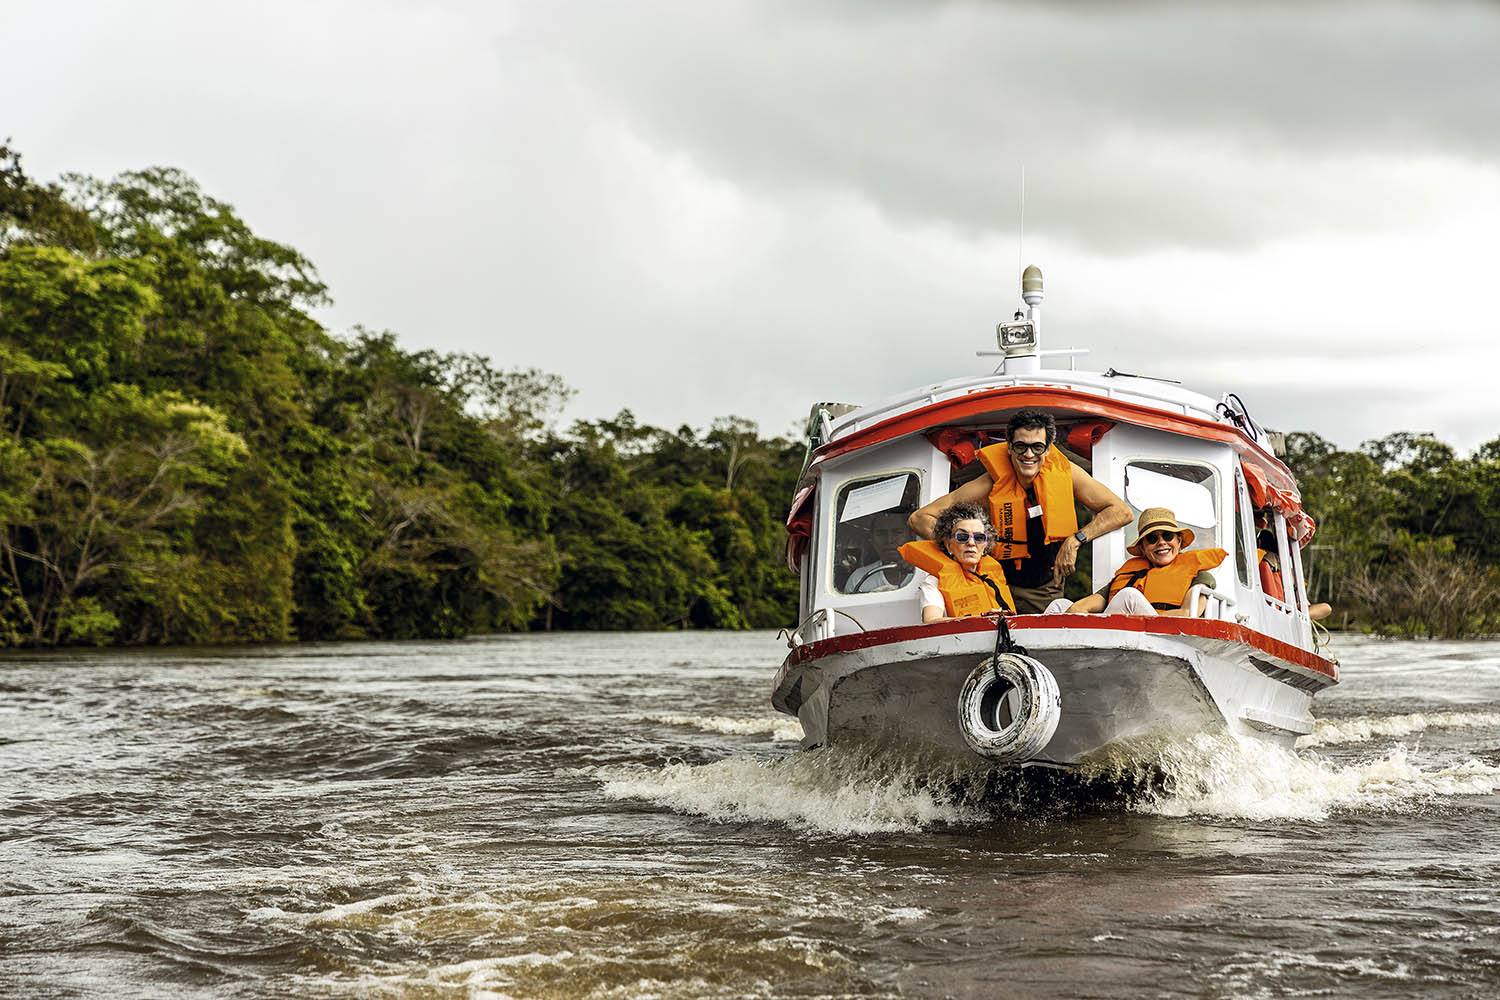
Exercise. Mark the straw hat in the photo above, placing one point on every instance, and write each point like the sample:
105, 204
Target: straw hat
1154, 518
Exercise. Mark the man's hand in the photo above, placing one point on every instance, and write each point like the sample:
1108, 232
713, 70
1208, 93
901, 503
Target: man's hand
1067, 559
924, 520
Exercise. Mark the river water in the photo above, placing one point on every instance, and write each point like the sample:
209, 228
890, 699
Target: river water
624, 816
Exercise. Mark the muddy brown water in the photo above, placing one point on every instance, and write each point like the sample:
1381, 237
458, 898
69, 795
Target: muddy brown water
624, 816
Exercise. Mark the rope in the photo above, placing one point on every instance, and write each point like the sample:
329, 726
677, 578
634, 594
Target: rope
1242, 419
851, 618
1321, 638
1004, 643
795, 635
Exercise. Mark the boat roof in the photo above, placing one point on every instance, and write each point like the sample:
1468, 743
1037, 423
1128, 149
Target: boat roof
1137, 390
988, 399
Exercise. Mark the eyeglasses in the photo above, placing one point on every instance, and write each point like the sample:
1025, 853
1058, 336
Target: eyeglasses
978, 537
1159, 536
1034, 447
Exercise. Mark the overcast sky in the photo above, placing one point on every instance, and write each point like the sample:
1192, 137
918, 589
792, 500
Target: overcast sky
713, 207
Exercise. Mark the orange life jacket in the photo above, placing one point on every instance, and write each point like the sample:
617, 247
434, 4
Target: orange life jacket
1166, 586
1054, 491
1270, 579
964, 593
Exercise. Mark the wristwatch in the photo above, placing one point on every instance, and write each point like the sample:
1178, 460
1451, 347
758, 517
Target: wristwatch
1080, 536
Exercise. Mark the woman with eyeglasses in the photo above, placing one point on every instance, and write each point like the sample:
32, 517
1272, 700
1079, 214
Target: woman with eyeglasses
1157, 580
958, 577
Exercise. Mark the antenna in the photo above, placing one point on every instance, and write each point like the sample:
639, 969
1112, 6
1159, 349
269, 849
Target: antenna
1021, 229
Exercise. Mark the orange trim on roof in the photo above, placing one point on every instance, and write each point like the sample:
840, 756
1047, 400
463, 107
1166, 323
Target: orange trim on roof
1263, 493
980, 402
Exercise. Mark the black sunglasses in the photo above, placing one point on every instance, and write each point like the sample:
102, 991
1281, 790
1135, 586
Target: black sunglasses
1035, 447
1155, 536
978, 537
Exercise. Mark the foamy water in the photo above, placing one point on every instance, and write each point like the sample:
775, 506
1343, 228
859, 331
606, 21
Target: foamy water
1221, 777
779, 727
1363, 729
855, 791
830, 790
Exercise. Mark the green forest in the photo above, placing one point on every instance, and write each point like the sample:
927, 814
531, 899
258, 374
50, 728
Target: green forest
1407, 542
188, 457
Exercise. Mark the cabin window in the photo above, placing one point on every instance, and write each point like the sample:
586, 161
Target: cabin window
1190, 490
1244, 533
869, 517
1279, 564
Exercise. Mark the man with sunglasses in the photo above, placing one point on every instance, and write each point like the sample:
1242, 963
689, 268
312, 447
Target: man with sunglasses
1157, 580
1031, 487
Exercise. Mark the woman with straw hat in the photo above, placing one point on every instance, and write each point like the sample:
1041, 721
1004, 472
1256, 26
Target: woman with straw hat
1157, 580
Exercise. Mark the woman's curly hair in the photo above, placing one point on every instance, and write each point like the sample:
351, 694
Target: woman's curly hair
949, 517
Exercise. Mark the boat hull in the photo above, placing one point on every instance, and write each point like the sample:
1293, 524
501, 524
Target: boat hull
1119, 678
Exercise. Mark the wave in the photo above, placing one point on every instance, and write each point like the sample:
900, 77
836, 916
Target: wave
859, 791
830, 790
778, 728
1220, 776
1361, 729
1248, 973
545, 935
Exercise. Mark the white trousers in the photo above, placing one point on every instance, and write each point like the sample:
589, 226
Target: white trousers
1127, 602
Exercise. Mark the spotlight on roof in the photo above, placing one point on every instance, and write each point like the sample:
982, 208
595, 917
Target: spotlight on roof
1016, 338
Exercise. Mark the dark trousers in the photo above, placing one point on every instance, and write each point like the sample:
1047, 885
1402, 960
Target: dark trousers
1034, 600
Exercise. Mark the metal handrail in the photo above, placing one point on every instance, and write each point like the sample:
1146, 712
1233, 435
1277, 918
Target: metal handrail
794, 636
1198, 590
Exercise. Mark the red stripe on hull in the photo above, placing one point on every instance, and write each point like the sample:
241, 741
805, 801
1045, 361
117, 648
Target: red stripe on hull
1198, 627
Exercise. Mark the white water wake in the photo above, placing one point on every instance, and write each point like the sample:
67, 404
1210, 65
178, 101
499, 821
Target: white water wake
1364, 728
855, 791
831, 790
780, 727
1219, 776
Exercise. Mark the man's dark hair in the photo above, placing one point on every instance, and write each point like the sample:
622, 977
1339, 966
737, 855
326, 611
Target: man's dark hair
1030, 418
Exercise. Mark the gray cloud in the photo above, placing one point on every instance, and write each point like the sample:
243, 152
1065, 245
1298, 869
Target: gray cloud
1152, 124
694, 209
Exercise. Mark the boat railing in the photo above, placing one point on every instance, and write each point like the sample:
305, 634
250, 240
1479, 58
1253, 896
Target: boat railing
1220, 604
1280, 607
820, 624
1283, 621
1106, 386
818, 621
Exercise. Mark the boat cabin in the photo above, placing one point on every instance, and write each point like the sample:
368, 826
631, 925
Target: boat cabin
1152, 442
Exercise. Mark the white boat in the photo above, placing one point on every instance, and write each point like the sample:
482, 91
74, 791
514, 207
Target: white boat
1047, 690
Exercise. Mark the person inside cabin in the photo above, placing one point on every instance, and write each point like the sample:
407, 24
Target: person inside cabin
1270, 573
1030, 488
957, 577
1159, 577
888, 533
1269, 562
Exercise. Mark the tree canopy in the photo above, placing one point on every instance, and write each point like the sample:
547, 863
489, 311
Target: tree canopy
187, 456
1406, 542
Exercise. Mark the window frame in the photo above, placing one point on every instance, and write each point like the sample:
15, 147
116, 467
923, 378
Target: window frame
1213, 484
1244, 530
838, 495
